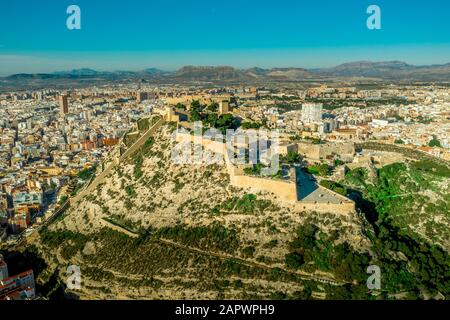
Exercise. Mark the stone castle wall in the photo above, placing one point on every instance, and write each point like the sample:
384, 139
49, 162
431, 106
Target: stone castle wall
342, 208
283, 189
105, 173
318, 151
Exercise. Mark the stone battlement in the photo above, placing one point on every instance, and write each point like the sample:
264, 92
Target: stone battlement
285, 190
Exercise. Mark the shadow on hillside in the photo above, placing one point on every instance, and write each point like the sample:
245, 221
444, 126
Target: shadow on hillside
19, 262
365, 206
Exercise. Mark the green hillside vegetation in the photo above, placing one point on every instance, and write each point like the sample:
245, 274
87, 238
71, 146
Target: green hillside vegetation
312, 249
291, 158
87, 173
251, 125
247, 204
151, 261
395, 203
434, 142
334, 186
319, 169
138, 157
400, 189
214, 237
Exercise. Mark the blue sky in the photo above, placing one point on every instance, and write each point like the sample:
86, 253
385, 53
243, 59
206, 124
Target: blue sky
135, 34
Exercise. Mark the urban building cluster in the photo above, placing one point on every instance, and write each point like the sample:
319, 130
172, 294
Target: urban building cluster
420, 121
48, 137
16, 287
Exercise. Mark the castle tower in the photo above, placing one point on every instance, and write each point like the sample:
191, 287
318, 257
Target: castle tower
224, 107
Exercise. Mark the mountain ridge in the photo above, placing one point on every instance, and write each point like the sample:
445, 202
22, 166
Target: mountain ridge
384, 70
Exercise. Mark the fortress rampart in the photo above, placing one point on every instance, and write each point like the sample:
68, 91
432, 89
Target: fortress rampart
104, 174
285, 190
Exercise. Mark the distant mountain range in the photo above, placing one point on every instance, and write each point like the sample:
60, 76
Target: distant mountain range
395, 70
390, 70
87, 73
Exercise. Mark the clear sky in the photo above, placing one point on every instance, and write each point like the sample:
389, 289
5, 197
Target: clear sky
136, 34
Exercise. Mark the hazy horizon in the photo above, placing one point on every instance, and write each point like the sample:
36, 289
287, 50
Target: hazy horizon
104, 61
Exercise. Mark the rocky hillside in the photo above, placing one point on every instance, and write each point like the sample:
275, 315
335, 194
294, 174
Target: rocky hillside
158, 230
154, 229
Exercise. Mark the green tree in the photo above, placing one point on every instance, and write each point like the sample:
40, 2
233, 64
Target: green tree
251, 125
294, 260
292, 157
181, 106
434, 142
213, 107
196, 110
